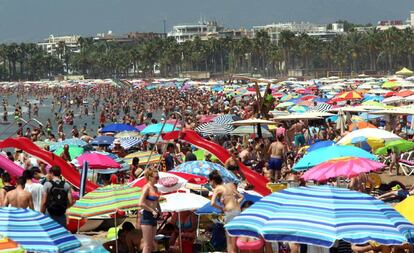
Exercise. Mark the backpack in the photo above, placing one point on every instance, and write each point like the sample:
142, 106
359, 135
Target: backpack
57, 199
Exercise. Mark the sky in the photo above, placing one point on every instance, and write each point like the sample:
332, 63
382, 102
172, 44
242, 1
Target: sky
34, 20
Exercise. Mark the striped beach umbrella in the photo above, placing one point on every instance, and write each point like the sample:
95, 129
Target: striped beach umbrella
225, 119
9, 246
213, 128
144, 157
35, 231
321, 107
106, 200
128, 142
322, 215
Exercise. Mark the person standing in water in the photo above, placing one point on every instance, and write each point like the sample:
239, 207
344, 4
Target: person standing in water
230, 200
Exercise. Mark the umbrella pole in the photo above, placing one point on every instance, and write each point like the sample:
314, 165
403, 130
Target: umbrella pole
116, 234
179, 231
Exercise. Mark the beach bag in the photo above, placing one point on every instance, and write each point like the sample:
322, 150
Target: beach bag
57, 199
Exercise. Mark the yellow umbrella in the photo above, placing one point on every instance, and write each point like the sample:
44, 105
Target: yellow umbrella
406, 208
404, 72
143, 157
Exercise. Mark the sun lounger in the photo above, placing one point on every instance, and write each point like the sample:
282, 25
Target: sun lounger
406, 163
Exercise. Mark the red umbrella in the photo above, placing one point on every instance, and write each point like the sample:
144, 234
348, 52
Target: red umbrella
389, 94
308, 97
404, 93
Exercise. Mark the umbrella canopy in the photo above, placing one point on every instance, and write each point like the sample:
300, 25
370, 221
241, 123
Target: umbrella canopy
70, 142
74, 151
116, 128
106, 200
102, 141
404, 93
349, 95
207, 118
285, 104
128, 142
156, 129
320, 144
369, 133
213, 128
390, 84
404, 72
143, 157
127, 134
98, 161
342, 167
252, 122
406, 208
298, 108
226, 119
321, 155
397, 145
320, 216
204, 168
180, 202
360, 125
246, 130
9, 246
393, 99
209, 209
35, 231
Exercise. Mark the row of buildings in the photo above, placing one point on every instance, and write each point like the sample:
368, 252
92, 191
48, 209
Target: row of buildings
211, 29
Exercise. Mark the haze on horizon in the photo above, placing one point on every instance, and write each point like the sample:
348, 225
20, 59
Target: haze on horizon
33, 20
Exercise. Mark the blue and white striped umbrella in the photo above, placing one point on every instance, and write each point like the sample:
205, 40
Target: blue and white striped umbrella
320, 216
128, 142
213, 128
35, 231
70, 142
321, 107
226, 119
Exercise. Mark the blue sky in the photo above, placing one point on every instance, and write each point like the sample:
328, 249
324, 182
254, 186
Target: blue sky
32, 20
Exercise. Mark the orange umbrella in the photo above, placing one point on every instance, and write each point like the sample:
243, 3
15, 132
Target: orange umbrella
404, 93
360, 125
350, 95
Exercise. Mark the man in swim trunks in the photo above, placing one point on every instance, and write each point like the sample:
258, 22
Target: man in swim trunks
298, 129
276, 152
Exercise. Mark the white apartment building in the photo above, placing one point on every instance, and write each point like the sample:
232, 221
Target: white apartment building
311, 29
51, 44
202, 29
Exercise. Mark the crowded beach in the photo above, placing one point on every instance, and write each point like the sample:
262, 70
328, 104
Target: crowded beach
236, 165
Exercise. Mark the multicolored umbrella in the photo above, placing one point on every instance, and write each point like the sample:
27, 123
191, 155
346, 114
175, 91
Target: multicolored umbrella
397, 145
406, 208
156, 129
9, 246
324, 154
70, 142
369, 133
128, 142
35, 231
342, 167
118, 127
204, 168
349, 95
143, 157
106, 200
74, 151
320, 216
97, 161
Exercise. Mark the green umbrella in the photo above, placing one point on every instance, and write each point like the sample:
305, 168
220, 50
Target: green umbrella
106, 200
74, 151
390, 85
397, 145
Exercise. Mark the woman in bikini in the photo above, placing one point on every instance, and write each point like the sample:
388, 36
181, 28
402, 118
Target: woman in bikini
230, 200
149, 202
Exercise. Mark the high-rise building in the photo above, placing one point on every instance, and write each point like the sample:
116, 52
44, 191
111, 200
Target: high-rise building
51, 44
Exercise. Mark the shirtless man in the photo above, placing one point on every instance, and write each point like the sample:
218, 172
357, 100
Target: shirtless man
298, 129
19, 197
276, 151
133, 237
230, 198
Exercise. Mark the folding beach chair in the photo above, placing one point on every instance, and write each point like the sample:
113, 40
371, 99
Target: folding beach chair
406, 163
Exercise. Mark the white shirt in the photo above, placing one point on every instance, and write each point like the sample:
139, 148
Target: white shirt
36, 190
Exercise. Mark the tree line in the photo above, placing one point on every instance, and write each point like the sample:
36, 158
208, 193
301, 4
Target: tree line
354, 51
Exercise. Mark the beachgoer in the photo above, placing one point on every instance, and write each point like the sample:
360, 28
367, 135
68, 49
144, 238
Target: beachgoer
135, 170
7, 186
35, 189
187, 224
19, 197
65, 154
277, 151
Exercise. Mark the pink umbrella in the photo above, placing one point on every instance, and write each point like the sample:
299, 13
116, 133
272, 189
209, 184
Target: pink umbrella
342, 167
98, 161
207, 118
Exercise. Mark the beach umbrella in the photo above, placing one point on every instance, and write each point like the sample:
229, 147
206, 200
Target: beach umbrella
9, 246
143, 157
367, 144
253, 122
390, 85
404, 93
128, 142
139, 128
207, 118
342, 167
404, 72
248, 130
360, 125
285, 104
406, 208
213, 128
321, 215
321, 155
102, 140
35, 231
70, 142
127, 134
321, 107
298, 109
204, 168
369, 133
74, 151
118, 127
106, 200
156, 128
226, 119
373, 98
180, 202
397, 145
320, 144
98, 161
393, 99
349, 95
308, 97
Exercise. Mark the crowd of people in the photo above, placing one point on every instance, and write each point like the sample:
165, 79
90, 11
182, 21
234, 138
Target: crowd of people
43, 189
